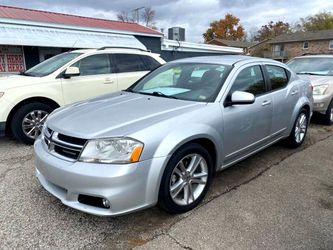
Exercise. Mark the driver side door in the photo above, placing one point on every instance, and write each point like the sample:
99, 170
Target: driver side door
247, 127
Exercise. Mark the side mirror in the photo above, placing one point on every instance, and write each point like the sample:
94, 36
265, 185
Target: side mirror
72, 71
241, 98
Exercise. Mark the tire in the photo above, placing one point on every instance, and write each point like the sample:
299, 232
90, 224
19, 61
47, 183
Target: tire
40, 111
328, 117
300, 128
197, 179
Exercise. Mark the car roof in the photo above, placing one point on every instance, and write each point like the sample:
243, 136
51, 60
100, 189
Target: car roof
131, 50
224, 59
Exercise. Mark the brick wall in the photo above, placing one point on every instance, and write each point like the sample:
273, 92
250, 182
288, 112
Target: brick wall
315, 47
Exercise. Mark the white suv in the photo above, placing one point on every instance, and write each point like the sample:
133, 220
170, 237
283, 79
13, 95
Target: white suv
27, 99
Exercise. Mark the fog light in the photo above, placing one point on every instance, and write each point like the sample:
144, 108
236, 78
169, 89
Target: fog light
106, 203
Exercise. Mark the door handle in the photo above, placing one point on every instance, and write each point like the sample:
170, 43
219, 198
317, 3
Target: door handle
108, 81
265, 103
294, 92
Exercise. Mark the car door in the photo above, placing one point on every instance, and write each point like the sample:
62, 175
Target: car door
96, 78
284, 97
247, 127
130, 68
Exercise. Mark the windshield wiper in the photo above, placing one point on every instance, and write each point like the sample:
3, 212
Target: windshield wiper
156, 93
23, 73
310, 73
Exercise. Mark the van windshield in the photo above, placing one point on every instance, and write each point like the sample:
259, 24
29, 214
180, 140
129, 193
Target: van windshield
50, 65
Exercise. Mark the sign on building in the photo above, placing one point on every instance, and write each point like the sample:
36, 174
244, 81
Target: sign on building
11, 59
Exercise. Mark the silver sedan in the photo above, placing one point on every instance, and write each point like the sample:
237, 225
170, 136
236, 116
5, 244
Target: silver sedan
161, 140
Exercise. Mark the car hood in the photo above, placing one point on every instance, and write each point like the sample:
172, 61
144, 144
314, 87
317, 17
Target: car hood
13, 81
318, 80
118, 114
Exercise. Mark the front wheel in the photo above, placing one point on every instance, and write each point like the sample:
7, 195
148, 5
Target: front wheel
298, 133
28, 121
186, 179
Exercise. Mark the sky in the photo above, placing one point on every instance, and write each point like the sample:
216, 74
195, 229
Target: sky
194, 15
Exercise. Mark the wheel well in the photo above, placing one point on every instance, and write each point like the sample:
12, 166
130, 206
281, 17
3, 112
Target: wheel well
307, 108
44, 100
207, 144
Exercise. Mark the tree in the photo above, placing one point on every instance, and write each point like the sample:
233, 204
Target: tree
124, 16
148, 16
227, 28
320, 21
271, 30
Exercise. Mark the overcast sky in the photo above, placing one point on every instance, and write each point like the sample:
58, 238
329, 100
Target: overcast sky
193, 15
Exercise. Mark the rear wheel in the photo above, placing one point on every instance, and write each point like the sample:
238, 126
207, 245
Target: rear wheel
328, 117
28, 121
186, 179
298, 133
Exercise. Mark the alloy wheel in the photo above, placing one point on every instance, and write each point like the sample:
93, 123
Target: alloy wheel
188, 179
33, 123
300, 128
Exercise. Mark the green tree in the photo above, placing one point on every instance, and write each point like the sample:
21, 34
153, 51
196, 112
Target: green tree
227, 28
271, 30
320, 21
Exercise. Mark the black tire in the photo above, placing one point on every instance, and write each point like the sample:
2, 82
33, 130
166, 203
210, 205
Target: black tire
328, 119
17, 121
292, 141
165, 201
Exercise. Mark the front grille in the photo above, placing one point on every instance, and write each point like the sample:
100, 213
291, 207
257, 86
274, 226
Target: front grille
63, 145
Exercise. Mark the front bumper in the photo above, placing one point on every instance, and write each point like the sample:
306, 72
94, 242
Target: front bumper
128, 187
321, 102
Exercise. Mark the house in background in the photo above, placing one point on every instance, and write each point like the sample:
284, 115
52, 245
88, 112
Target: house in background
287, 46
244, 45
29, 36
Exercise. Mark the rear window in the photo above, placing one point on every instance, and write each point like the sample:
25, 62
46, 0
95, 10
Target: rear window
277, 76
129, 63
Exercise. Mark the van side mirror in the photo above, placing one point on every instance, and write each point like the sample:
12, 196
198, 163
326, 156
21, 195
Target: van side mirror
71, 71
241, 98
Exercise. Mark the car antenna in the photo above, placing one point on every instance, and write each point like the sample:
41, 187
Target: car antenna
71, 49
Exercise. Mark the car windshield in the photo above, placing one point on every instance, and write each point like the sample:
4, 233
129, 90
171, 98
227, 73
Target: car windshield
186, 81
50, 65
312, 66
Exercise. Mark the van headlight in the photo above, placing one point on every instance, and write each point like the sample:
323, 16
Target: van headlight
113, 150
320, 89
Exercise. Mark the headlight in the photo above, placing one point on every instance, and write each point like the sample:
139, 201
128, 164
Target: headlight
114, 150
1, 94
320, 89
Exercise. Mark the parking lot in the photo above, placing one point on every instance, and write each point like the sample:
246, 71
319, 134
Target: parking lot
31, 218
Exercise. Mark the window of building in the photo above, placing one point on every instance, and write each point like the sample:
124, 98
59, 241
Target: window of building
250, 80
277, 76
331, 44
306, 45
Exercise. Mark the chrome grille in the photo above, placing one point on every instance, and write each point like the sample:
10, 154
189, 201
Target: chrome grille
63, 145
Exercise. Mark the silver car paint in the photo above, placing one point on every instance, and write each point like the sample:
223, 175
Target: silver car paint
163, 125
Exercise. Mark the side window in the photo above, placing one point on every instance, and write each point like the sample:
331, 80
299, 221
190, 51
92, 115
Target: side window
129, 63
277, 76
250, 80
150, 62
94, 65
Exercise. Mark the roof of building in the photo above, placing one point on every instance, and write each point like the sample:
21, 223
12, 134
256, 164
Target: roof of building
233, 43
9, 12
304, 36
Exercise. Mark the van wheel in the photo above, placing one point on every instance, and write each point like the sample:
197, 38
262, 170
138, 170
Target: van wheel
298, 133
186, 179
328, 117
28, 121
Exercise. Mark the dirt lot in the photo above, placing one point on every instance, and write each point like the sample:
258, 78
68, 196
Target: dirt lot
31, 218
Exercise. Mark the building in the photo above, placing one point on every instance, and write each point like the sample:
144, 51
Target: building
244, 45
176, 33
31, 36
287, 46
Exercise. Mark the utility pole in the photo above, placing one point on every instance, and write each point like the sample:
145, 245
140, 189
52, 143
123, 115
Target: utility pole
136, 13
